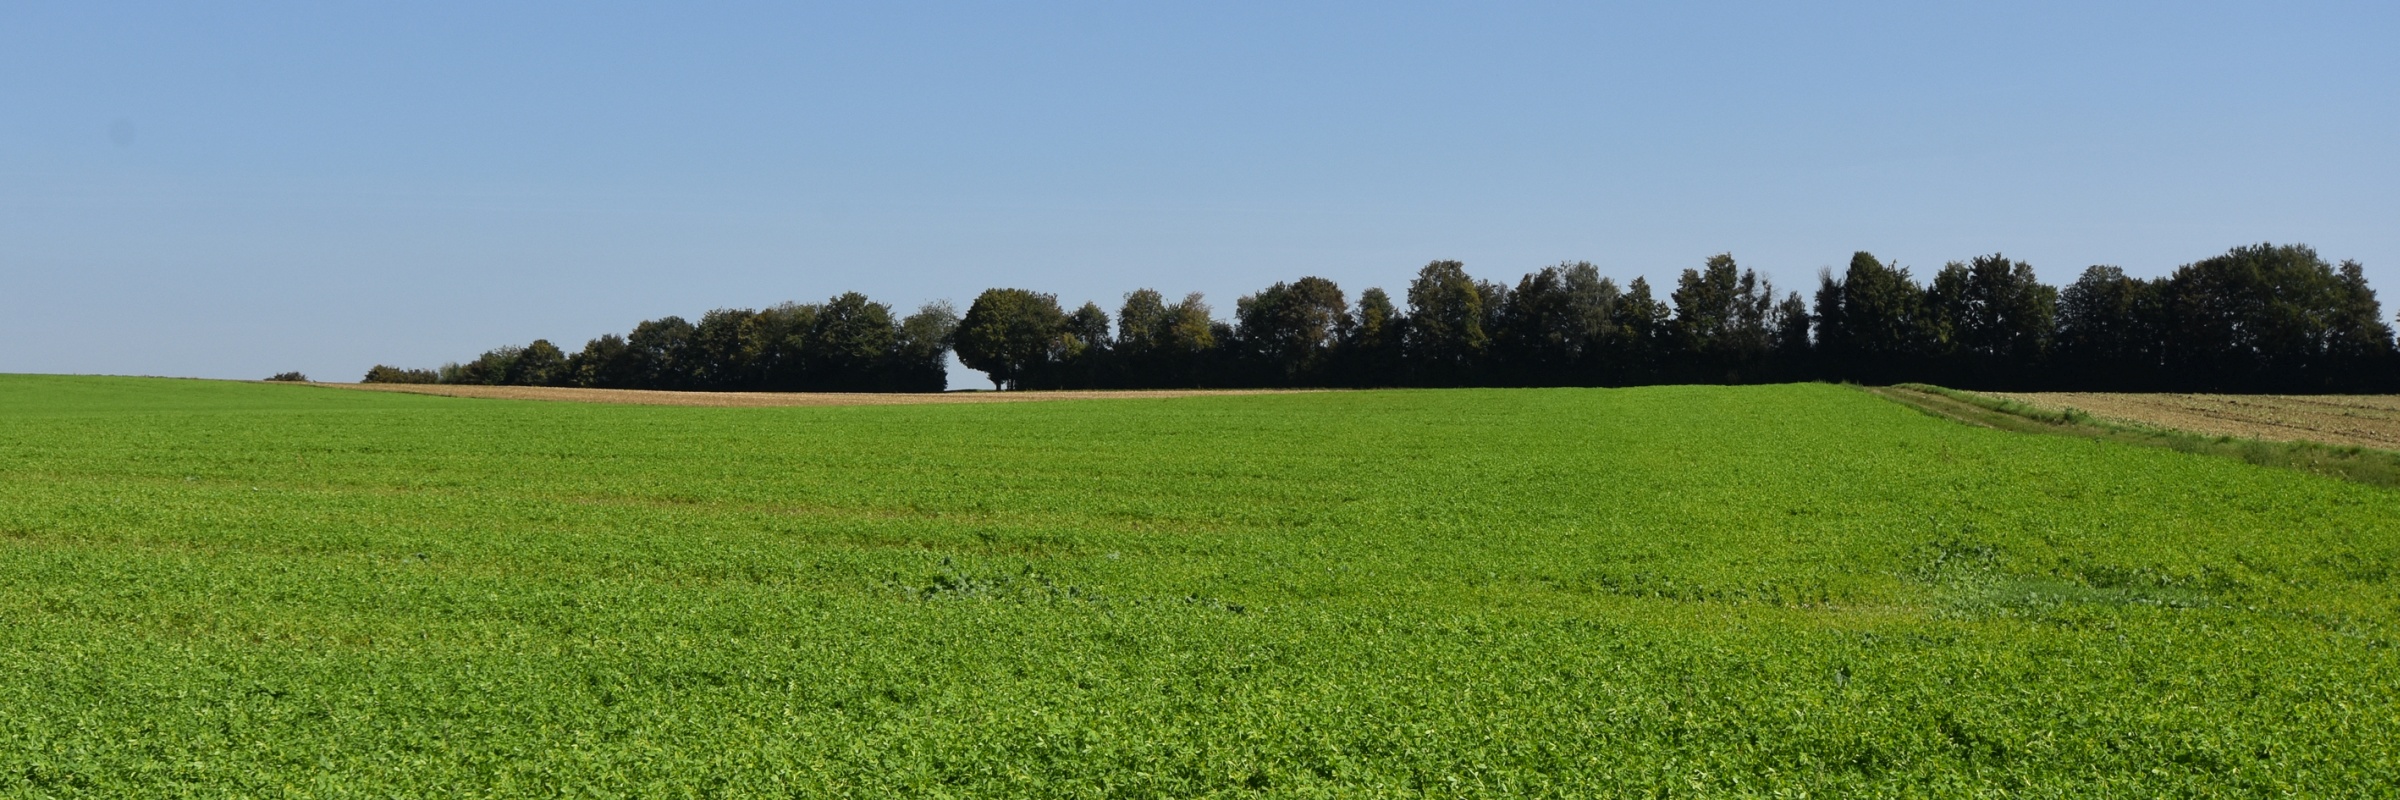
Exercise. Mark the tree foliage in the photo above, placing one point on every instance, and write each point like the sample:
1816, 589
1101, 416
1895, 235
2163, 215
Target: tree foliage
2257, 318
1446, 336
1010, 334
1290, 331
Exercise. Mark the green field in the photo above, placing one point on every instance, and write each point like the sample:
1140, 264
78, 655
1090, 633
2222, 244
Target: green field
216, 589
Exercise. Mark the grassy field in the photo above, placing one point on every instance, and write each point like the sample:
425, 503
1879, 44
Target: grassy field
238, 589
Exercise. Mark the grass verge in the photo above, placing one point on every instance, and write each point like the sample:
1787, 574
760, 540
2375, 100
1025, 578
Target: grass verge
2361, 464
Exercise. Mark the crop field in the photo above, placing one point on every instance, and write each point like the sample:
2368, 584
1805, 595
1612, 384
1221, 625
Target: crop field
2352, 420
234, 589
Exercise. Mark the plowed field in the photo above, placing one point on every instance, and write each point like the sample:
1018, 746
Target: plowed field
2360, 420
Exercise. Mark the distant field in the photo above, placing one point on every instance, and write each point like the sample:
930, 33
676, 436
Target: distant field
649, 397
214, 588
2357, 420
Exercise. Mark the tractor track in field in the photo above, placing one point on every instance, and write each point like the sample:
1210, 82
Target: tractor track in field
2348, 420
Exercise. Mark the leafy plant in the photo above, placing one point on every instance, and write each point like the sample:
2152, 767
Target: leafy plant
224, 588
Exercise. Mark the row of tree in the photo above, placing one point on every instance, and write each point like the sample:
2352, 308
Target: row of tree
2258, 318
846, 344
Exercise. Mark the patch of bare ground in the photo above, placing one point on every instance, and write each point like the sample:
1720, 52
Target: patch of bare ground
2354, 420
768, 399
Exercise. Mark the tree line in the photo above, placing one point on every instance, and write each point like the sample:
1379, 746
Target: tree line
846, 344
2261, 318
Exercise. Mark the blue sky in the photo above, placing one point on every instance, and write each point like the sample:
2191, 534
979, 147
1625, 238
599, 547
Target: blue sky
233, 190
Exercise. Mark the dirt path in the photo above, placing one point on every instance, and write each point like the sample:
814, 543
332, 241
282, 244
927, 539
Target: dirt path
762, 399
2361, 420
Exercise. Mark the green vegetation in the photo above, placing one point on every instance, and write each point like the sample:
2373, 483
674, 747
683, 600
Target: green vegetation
2262, 318
250, 589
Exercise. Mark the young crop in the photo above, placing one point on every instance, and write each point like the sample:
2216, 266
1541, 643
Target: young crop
234, 588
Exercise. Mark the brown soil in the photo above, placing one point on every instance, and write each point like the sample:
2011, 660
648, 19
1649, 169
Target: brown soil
759, 399
2360, 420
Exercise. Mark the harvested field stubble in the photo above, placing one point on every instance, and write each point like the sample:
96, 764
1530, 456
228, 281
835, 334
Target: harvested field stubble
2354, 420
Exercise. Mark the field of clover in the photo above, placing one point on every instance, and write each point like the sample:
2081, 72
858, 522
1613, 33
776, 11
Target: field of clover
215, 588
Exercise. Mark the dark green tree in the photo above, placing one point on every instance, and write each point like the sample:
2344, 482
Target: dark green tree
1991, 321
2271, 318
489, 369
657, 350
1794, 353
775, 346
922, 353
2109, 331
1870, 323
1142, 322
382, 373
1642, 338
1723, 326
850, 344
1289, 331
1373, 352
1089, 326
2360, 348
1831, 348
715, 358
1553, 323
603, 363
1086, 357
539, 364
1141, 328
1446, 335
1187, 345
1009, 333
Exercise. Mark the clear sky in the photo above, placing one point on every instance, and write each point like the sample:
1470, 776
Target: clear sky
232, 190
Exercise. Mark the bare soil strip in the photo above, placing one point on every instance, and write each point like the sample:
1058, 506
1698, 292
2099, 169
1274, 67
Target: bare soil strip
2355, 420
767, 399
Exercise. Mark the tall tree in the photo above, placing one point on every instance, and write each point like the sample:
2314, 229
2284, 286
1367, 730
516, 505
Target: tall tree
1141, 327
1870, 324
2109, 331
1446, 335
850, 344
1089, 326
1991, 320
657, 350
1142, 322
603, 363
2269, 317
1722, 320
1642, 322
2360, 346
1290, 330
716, 361
539, 364
1551, 323
1186, 349
775, 345
1010, 333
920, 355
1794, 353
490, 369
1371, 354
1086, 359
1832, 343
